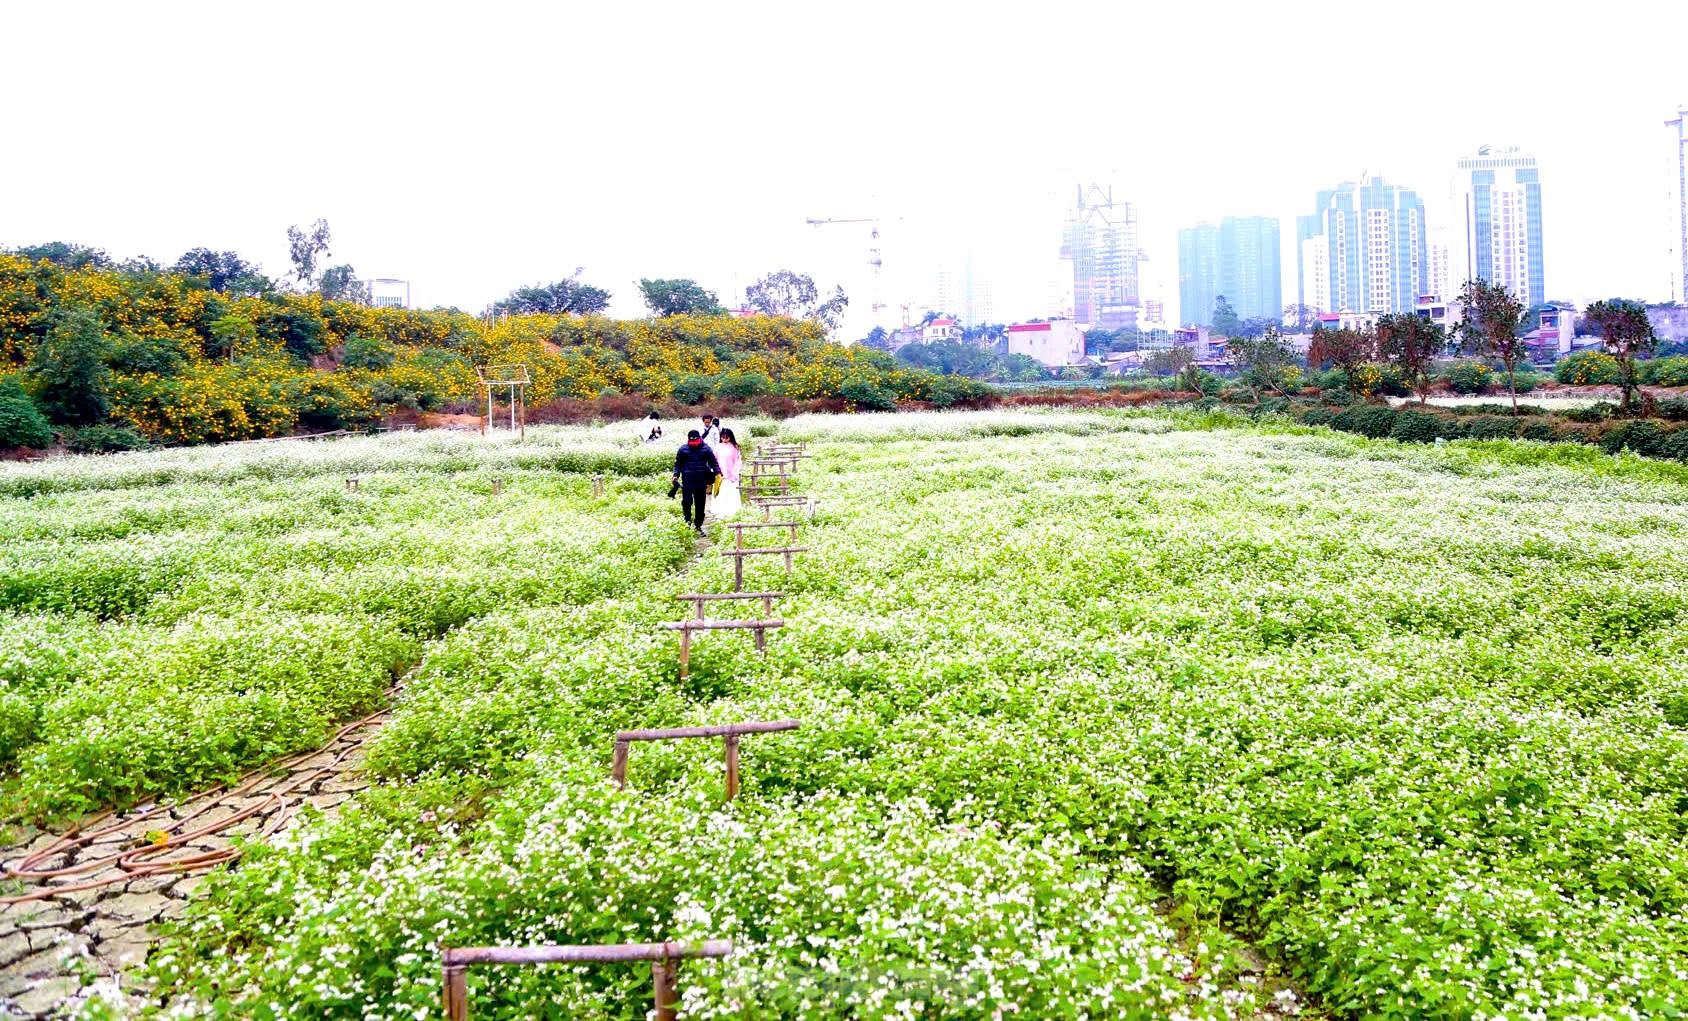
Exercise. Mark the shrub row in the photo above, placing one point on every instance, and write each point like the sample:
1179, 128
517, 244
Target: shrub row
1423, 425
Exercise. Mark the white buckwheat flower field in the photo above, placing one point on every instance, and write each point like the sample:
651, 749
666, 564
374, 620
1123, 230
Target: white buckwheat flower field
1099, 711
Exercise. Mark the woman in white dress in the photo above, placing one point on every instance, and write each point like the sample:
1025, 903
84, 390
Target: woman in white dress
731, 459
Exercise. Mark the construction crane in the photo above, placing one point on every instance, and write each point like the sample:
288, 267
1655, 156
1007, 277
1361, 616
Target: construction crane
874, 258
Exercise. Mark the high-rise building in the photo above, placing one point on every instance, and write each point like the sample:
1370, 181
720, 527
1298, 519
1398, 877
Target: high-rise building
1238, 259
1679, 185
963, 290
1441, 273
1198, 274
1375, 249
1100, 240
1499, 193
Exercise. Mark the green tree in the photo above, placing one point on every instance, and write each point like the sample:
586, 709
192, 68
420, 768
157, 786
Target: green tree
373, 353
877, 339
1492, 326
679, 298
1260, 361
21, 422
340, 283
223, 272
65, 254
1410, 343
564, 297
1168, 361
306, 248
1020, 368
1626, 331
794, 295
782, 293
1301, 318
1225, 322
1347, 349
70, 363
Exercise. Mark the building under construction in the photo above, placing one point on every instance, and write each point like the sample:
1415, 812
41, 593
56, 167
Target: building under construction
1100, 239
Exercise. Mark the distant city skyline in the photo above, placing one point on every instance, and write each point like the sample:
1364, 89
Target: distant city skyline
496, 165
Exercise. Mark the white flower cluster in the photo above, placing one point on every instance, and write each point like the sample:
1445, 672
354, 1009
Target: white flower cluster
1411, 720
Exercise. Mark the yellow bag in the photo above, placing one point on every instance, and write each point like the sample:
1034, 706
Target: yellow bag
715, 490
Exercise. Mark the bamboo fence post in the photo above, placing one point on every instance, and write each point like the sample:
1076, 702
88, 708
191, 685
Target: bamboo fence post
618, 771
730, 743
665, 961
730, 735
597, 485
686, 653
456, 993
352, 484
497, 486
664, 990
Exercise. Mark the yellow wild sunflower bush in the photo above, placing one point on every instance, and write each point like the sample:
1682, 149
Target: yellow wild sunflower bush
183, 364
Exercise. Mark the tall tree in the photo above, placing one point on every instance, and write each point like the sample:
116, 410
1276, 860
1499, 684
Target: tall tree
224, 272
70, 361
307, 248
1225, 322
1626, 331
63, 253
1411, 343
782, 293
340, 283
1347, 349
1261, 361
679, 298
830, 311
877, 339
564, 297
1300, 318
1492, 327
1168, 361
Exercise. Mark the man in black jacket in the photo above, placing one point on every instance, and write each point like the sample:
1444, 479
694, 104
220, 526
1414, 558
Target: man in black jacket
695, 470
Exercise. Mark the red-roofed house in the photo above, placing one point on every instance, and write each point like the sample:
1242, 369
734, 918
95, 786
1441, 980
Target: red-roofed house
940, 329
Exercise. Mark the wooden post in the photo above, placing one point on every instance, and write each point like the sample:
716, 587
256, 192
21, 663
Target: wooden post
665, 991
521, 403
665, 961
729, 733
730, 743
456, 993
761, 639
352, 484
686, 653
497, 486
738, 571
618, 772
597, 485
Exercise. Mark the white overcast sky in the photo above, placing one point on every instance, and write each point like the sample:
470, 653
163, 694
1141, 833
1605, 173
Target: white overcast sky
473, 147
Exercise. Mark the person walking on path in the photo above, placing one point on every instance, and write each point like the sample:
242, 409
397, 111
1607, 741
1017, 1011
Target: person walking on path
731, 459
711, 431
695, 469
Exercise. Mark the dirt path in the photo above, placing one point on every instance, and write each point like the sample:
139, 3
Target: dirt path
55, 949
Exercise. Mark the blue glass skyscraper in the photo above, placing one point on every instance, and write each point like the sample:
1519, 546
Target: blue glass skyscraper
1238, 259
1500, 202
1370, 246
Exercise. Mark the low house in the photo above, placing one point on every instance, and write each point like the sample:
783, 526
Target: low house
1056, 344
